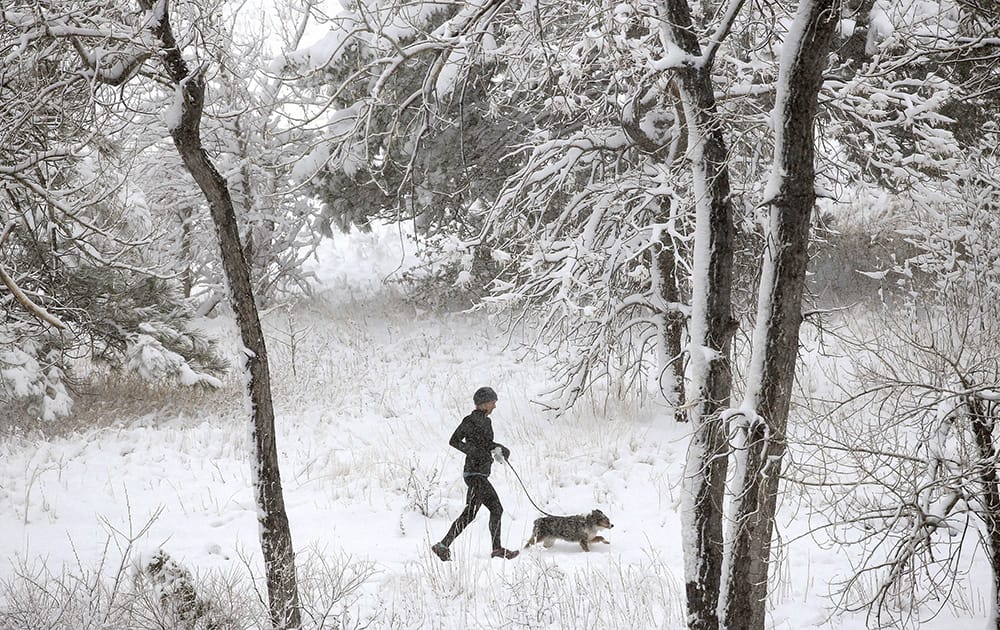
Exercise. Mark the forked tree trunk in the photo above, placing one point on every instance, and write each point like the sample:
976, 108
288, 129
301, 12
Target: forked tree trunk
779, 315
710, 329
276, 540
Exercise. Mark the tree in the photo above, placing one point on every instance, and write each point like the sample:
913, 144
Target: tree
276, 540
919, 453
763, 416
916, 488
77, 240
255, 143
594, 226
903, 109
113, 45
711, 324
911, 453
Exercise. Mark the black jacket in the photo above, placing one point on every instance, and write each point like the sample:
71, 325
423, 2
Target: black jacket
474, 437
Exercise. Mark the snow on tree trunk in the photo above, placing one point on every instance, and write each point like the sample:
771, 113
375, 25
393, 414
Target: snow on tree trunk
670, 323
276, 540
710, 328
791, 196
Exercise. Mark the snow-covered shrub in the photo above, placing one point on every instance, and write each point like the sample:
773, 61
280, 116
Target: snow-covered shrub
153, 362
31, 379
173, 587
112, 316
452, 273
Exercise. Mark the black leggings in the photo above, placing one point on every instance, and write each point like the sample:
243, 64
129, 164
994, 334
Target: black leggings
480, 493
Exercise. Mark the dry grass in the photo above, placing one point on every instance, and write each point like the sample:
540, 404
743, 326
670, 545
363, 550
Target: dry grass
113, 400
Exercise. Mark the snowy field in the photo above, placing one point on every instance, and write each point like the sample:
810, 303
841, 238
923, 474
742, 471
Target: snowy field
370, 482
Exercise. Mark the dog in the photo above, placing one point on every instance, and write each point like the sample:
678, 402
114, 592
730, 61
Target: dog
581, 528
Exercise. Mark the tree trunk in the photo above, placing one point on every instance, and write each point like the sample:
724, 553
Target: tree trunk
776, 335
276, 540
671, 320
710, 329
983, 419
666, 290
187, 273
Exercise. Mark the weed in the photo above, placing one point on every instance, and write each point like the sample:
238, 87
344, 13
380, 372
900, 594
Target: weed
423, 491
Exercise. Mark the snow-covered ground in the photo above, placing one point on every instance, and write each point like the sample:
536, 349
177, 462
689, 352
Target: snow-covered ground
370, 481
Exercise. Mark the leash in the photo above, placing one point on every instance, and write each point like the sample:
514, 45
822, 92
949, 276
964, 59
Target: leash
526, 493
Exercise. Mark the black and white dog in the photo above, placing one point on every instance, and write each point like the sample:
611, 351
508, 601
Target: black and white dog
581, 528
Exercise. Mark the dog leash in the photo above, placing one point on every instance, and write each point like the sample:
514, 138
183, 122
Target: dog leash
526, 493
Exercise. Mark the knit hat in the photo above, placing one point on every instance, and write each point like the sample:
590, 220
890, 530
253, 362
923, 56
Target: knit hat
484, 395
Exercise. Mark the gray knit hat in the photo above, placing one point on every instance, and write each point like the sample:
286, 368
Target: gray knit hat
484, 395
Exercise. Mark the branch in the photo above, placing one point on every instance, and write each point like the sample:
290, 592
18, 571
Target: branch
122, 68
25, 301
41, 156
721, 33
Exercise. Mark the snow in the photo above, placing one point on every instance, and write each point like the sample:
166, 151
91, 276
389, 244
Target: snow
375, 27
879, 28
673, 57
22, 375
307, 166
324, 51
173, 114
337, 128
450, 72
361, 432
150, 360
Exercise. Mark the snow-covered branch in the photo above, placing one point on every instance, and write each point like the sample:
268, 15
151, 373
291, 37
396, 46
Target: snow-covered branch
24, 300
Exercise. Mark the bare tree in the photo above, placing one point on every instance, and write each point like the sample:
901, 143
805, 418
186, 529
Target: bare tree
762, 418
114, 45
711, 324
276, 539
910, 475
910, 479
